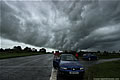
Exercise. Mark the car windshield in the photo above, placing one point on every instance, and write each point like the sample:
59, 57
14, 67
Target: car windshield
68, 58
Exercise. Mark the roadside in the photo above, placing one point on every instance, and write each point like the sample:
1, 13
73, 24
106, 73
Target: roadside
109, 56
105, 56
91, 64
103, 70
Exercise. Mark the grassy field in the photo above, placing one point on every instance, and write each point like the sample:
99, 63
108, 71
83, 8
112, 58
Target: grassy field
109, 56
103, 70
105, 57
13, 55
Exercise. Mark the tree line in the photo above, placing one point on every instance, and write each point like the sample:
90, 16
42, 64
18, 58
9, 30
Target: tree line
18, 49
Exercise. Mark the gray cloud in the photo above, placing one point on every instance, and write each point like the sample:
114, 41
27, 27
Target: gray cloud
72, 25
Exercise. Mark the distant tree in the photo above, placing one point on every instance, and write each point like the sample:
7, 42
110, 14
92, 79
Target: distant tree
1, 50
34, 50
119, 52
17, 49
52, 52
98, 51
7, 50
105, 53
43, 50
27, 49
113, 52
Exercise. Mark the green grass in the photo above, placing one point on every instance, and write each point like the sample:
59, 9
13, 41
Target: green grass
13, 55
109, 57
103, 70
105, 57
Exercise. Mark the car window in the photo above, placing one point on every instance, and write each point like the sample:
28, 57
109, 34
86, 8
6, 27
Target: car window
68, 58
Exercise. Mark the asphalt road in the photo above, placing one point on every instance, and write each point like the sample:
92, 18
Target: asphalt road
37, 67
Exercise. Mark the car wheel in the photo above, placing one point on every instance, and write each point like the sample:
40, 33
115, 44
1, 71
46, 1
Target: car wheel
54, 67
59, 73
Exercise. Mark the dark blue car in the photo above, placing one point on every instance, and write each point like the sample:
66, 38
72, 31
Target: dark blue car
68, 65
89, 57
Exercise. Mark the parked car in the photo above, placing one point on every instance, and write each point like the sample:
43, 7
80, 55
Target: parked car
67, 65
89, 56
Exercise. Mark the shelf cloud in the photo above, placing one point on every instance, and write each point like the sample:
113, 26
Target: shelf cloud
62, 24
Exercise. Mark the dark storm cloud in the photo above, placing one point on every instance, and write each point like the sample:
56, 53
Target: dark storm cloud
0, 18
72, 25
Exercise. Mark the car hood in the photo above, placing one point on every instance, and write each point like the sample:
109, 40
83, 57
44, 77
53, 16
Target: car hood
70, 64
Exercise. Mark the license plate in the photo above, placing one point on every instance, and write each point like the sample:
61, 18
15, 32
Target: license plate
73, 72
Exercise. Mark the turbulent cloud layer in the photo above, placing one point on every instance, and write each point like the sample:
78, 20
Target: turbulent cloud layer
71, 25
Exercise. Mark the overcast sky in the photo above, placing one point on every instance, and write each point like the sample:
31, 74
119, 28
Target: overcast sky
61, 24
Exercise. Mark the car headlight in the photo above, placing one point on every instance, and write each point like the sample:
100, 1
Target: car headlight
63, 68
81, 68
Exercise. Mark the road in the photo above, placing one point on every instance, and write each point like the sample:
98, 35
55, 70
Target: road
26, 68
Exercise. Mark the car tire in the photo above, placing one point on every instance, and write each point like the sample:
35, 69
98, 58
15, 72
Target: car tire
59, 73
54, 67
